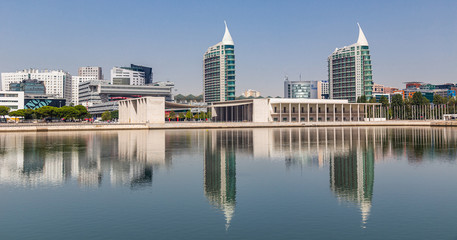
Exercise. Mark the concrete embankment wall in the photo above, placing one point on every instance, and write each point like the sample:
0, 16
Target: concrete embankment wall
213, 125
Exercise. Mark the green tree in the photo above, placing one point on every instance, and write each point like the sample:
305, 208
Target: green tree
189, 115
82, 112
46, 111
172, 115
384, 101
438, 99
106, 116
209, 115
397, 100
4, 111
115, 114
372, 100
362, 99
67, 112
16, 114
417, 99
181, 115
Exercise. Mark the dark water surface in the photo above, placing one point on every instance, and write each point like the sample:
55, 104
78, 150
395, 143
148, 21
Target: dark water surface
309, 183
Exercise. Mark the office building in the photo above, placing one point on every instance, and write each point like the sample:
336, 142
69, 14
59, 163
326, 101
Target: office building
57, 82
30, 87
13, 100
350, 72
148, 75
36, 101
75, 81
378, 88
323, 89
300, 89
93, 72
124, 76
219, 70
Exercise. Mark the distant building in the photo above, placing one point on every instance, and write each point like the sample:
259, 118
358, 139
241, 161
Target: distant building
219, 70
123, 76
148, 75
378, 88
378, 96
323, 89
75, 81
389, 90
93, 72
29, 87
34, 102
300, 89
13, 100
350, 71
251, 93
57, 82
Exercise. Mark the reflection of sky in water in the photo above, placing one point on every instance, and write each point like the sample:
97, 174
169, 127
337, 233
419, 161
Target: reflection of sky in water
242, 171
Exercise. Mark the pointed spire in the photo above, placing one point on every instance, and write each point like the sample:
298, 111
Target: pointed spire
227, 39
362, 39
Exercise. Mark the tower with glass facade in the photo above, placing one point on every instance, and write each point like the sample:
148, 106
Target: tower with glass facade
349, 71
219, 70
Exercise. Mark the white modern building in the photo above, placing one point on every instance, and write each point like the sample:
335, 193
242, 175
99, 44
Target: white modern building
300, 89
121, 76
323, 89
95, 72
75, 82
57, 82
13, 100
219, 70
349, 71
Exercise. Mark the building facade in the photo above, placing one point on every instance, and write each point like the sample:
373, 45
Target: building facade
323, 89
75, 81
300, 89
30, 87
148, 75
57, 82
123, 76
93, 72
378, 89
350, 71
13, 100
219, 70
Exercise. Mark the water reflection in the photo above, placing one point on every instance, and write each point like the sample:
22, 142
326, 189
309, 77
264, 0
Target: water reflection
130, 158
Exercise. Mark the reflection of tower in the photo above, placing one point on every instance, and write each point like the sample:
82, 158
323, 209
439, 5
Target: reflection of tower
220, 172
352, 178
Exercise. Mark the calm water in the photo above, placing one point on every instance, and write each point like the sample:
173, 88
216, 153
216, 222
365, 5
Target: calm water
316, 183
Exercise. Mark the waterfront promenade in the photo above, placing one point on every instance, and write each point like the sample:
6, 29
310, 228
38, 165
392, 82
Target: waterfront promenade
45, 127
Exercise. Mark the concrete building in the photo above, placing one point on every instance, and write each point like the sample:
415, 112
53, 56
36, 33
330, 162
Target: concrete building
123, 76
13, 100
30, 87
259, 110
251, 93
300, 89
92, 72
75, 82
37, 101
323, 89
148, 75
57, 82
350, 72
378, 88
219, 70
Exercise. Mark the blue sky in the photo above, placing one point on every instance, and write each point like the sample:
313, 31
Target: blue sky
409, 40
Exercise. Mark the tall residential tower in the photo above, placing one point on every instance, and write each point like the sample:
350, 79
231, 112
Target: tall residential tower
219, 70
349, 71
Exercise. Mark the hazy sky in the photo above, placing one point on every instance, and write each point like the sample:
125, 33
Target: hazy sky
409, 40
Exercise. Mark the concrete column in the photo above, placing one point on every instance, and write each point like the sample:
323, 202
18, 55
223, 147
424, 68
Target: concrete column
317, 112
342, 113
290, 112
307, 105
299, 113
373, 112
350, 112
358, 112
325, 112
280, 112
334, 112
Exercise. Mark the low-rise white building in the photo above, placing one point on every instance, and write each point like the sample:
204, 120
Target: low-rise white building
13, 100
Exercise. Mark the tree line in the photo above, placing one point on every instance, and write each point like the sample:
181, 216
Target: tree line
47, 112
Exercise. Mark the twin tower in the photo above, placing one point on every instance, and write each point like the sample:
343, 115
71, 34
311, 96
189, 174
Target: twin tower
349, 71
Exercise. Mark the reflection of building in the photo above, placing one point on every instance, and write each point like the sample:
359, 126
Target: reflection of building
220, 171
352, 178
